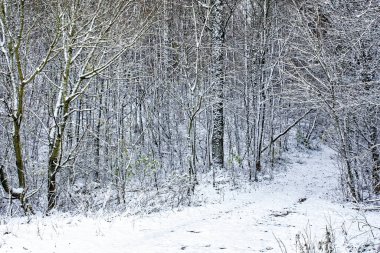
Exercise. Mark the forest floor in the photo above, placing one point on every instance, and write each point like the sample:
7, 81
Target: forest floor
302, 201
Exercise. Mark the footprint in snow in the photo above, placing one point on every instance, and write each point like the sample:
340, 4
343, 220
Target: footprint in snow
281, 213
266, 249
193, 231
301, 200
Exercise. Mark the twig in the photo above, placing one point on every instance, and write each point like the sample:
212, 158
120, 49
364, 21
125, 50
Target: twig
280, 244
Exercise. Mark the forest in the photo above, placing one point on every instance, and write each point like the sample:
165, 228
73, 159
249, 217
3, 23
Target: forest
101, 100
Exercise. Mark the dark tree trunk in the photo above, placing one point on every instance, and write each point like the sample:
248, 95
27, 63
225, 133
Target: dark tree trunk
217, 37
375, 160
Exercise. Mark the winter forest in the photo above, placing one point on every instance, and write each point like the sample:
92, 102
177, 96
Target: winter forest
142, 106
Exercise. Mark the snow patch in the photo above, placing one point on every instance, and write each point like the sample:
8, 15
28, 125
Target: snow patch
302, 201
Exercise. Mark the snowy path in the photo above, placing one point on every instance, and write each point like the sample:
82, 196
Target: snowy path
299, 198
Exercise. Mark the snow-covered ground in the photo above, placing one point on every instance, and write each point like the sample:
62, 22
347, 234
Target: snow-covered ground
303, 199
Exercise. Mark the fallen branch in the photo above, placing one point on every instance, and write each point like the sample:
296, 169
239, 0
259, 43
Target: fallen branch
365, 209
373, 200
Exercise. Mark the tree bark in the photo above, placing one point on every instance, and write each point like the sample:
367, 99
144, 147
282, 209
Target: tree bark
20, 195
218, 39
375, 160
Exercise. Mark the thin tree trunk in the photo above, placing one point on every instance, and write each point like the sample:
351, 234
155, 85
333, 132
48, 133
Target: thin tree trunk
375, 160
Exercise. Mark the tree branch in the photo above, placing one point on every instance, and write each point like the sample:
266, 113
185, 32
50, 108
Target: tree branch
5, 184
288, 129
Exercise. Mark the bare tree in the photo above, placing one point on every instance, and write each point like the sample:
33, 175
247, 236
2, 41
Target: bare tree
16, 30
88, 50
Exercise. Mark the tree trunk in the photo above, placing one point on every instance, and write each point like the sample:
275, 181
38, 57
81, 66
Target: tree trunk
18, 152
375, 160
15, 194
217, 37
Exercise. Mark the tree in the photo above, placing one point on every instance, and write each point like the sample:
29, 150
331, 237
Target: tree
337, 74
217, 75
17, 31
88, 50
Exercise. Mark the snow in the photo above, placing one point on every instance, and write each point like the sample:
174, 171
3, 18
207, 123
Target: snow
18, 190
255, 218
